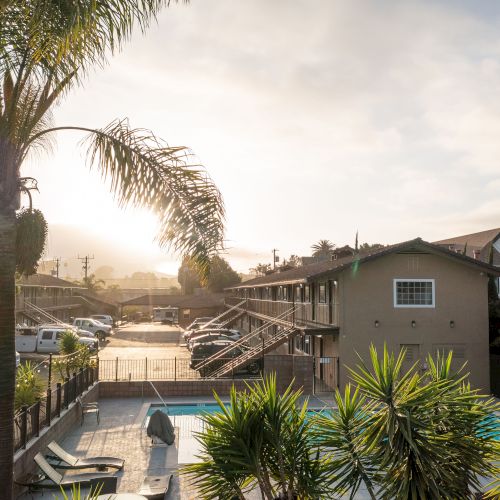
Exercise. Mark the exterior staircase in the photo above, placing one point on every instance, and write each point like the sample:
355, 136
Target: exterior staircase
225, 318
254, 353
211, 366
34, 311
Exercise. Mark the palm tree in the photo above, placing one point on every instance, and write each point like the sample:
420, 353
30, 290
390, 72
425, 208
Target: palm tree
46, 48
410, 435
261, 440
322, 247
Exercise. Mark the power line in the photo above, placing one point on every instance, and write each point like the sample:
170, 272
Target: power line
86, 264
274, 250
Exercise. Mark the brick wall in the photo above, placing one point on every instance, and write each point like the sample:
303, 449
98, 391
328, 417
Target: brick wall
23, 459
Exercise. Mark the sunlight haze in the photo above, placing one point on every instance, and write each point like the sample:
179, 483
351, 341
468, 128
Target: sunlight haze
314, 119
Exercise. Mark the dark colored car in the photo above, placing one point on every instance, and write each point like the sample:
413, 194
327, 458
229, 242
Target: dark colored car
205, 350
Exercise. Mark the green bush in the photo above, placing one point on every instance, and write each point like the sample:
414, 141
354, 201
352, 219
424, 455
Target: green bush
30, 386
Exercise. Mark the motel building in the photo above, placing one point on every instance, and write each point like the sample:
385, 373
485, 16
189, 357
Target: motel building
423, 297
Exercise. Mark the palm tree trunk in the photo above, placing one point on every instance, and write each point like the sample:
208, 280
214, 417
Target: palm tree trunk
7, 346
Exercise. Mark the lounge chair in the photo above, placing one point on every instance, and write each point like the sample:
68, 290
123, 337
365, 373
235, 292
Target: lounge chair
54, 479
67, 461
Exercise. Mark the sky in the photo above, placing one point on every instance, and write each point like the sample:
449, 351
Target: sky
314, 119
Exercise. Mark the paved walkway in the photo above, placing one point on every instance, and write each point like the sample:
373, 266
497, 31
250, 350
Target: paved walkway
121, 433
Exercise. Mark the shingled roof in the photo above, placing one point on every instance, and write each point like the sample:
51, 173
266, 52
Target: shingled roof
181, 301
310, 272
480, 243
46, 280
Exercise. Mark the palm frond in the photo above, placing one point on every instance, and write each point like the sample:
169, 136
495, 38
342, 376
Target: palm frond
145, 172
38, 36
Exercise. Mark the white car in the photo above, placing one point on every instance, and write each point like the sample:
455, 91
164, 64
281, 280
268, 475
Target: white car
99, 329
18, 359
106, 319
203, 336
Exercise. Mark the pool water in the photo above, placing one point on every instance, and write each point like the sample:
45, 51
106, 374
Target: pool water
185, 409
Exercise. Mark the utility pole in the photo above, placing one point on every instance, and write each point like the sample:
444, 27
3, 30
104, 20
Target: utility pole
274, 250
86, 264
57, 260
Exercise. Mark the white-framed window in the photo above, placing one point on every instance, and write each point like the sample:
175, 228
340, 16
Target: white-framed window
412, 292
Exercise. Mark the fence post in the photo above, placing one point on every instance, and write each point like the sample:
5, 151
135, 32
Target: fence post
24, 426
35, 419
86, 377
48, 407
74, 383
66, 393
337, 374
146, 369
175, 369
96, 374
58, 399
81, 387
116, 370
49, 382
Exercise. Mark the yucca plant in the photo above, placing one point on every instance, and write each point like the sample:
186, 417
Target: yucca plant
261, 440
30, 386
76, 493
338, 430
410, 435
74, 355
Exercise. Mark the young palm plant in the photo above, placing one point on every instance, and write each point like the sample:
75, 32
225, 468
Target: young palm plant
261, 440
46, 48
410, 435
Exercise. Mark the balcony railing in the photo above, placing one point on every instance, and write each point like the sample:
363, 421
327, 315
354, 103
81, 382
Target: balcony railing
47, 302
305, 313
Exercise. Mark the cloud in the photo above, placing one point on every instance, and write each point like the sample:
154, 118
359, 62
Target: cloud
315, 119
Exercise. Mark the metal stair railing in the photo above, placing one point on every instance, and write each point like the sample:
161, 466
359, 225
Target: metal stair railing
254, 353
206, 325
245, 338
232, 318
49, 317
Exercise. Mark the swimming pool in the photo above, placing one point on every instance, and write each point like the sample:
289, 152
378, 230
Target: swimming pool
185, 409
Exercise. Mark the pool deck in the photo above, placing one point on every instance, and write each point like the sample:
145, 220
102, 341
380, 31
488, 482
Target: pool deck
121, 433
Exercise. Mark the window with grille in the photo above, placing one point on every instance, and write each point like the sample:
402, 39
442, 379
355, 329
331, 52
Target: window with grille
414, 293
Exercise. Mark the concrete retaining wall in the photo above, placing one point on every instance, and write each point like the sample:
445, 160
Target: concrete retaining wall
23, 459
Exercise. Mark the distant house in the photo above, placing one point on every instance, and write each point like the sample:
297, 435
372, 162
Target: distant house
335, 254
484, 246
41, 298
415, 295
189, 307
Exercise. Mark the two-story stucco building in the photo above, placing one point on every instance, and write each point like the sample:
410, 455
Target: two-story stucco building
414, 295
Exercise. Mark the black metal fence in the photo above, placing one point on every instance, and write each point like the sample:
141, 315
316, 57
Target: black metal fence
326, 373
30, 420
162, 369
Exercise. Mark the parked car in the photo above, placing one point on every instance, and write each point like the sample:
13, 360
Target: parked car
46, 340
106, 319
188, 334
198, 321
204, 350
211, 335
100, 330
18, 359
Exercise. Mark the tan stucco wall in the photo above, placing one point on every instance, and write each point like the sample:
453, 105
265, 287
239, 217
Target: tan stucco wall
461, 296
